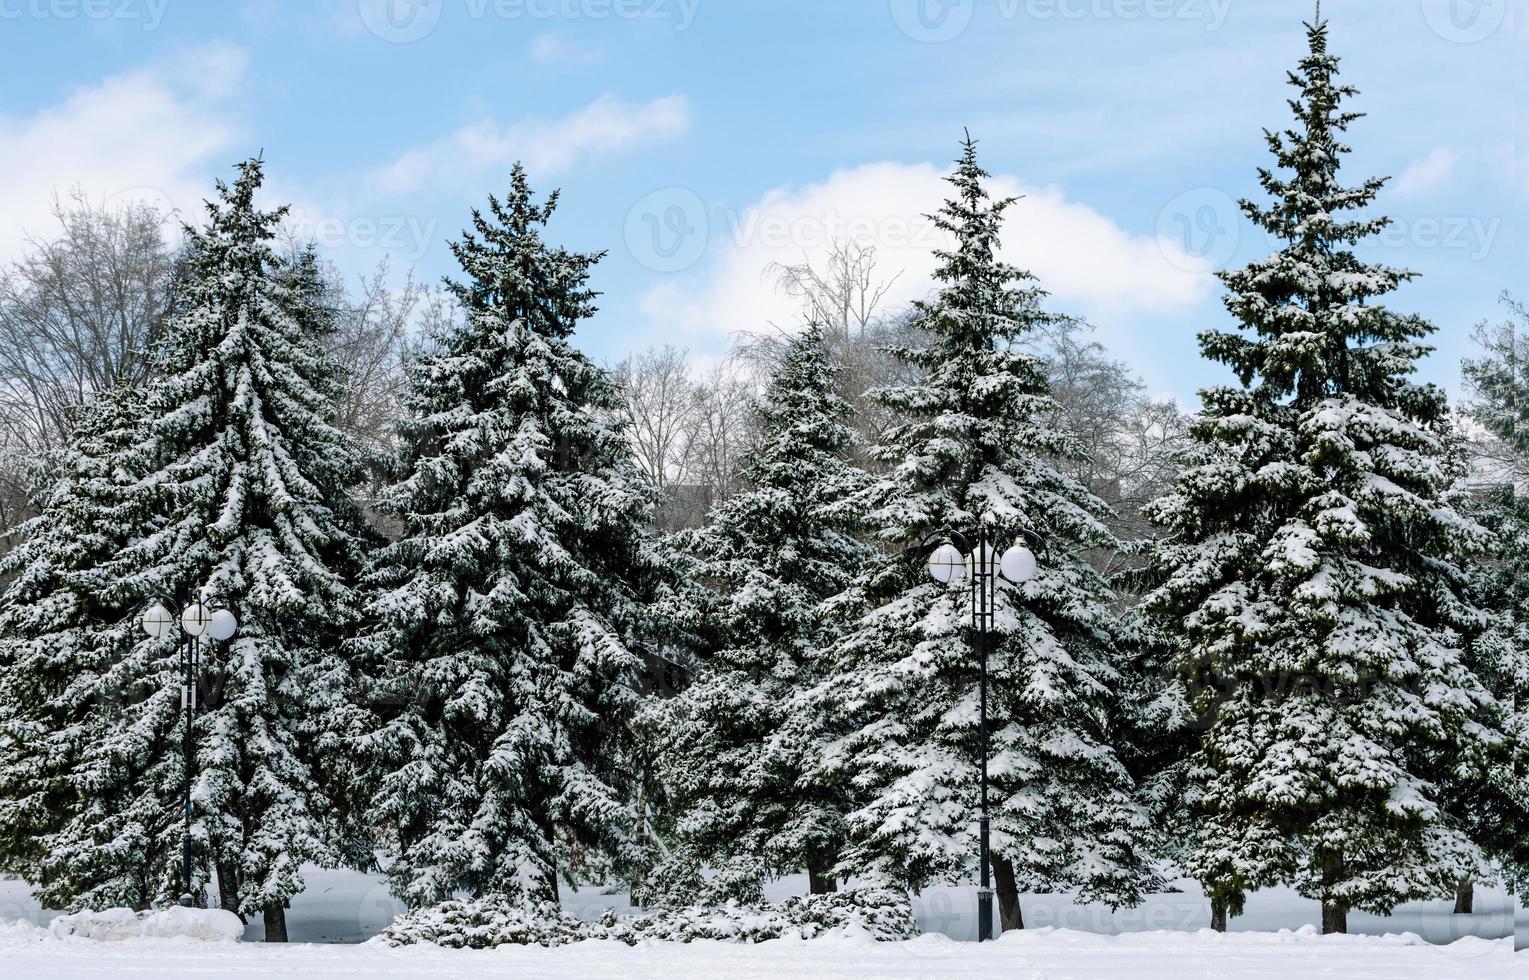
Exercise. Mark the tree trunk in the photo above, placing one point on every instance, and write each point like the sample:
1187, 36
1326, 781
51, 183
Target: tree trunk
1465, 898
1334, 916
1009, 914
228, 889
550, 872
1218, 914
275, 924
820, 877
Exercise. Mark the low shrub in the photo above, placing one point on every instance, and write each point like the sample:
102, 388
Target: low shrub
881, 914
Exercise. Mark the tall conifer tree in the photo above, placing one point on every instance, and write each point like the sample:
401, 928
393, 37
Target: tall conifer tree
1496, 496
736, 745
249, 488
65, 629
978, 444
510, 612
1313, 565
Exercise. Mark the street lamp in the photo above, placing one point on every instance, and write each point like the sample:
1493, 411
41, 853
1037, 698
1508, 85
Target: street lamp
968, 559
203, 614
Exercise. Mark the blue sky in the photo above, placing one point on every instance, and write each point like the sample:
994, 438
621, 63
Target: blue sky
701, 140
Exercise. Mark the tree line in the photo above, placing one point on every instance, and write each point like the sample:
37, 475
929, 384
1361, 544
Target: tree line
1278, 641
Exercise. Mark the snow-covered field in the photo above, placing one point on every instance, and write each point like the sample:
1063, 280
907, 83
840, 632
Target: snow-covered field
1044, 954
347, 907
1166, 938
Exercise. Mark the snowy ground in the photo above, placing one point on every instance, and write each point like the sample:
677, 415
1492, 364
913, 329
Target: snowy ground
345, 907
1034, 955
1163, 938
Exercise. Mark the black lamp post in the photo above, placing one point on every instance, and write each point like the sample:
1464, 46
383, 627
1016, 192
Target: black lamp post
203, 614
972, 560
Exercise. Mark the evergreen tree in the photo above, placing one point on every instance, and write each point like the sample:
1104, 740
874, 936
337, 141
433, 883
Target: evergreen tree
979, 444
509, 613
1491, 804
1312, 565
64, 631
1495, 495
248, 486
734, 745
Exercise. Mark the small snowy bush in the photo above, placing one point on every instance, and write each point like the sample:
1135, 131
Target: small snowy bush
882, 914
481, 923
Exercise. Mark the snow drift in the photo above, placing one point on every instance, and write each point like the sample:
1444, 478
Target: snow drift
115, 925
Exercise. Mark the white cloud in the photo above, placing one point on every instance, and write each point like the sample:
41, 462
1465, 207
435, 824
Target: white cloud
1428, 172
1088, 263
151, 134
606, 125
551, 48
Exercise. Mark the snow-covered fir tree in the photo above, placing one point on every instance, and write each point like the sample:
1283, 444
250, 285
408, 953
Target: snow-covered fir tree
64, 631
1495, 494
978, 444
735, 747
247, 488
1312, 564
508, 615
1491, 803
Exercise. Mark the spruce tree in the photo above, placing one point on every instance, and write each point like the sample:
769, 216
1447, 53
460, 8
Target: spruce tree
979, 444
1498, 380
508, 615
1490, 802
248, 487
1312, 564
64, 631
736, 745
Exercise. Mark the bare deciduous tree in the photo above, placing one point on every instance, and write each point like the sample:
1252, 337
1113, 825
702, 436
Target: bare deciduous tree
370, 346
1129, 445
77, 314
847, 299
688, 433
722, 428
659, 400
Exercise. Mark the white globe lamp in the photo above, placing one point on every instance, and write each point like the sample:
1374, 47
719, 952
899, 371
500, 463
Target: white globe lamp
222, 625
1018, 564
158, 621
947, 564
195, 619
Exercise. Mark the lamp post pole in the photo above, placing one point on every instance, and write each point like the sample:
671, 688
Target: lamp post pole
948, 564
197, 618
982, 591
188, 705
